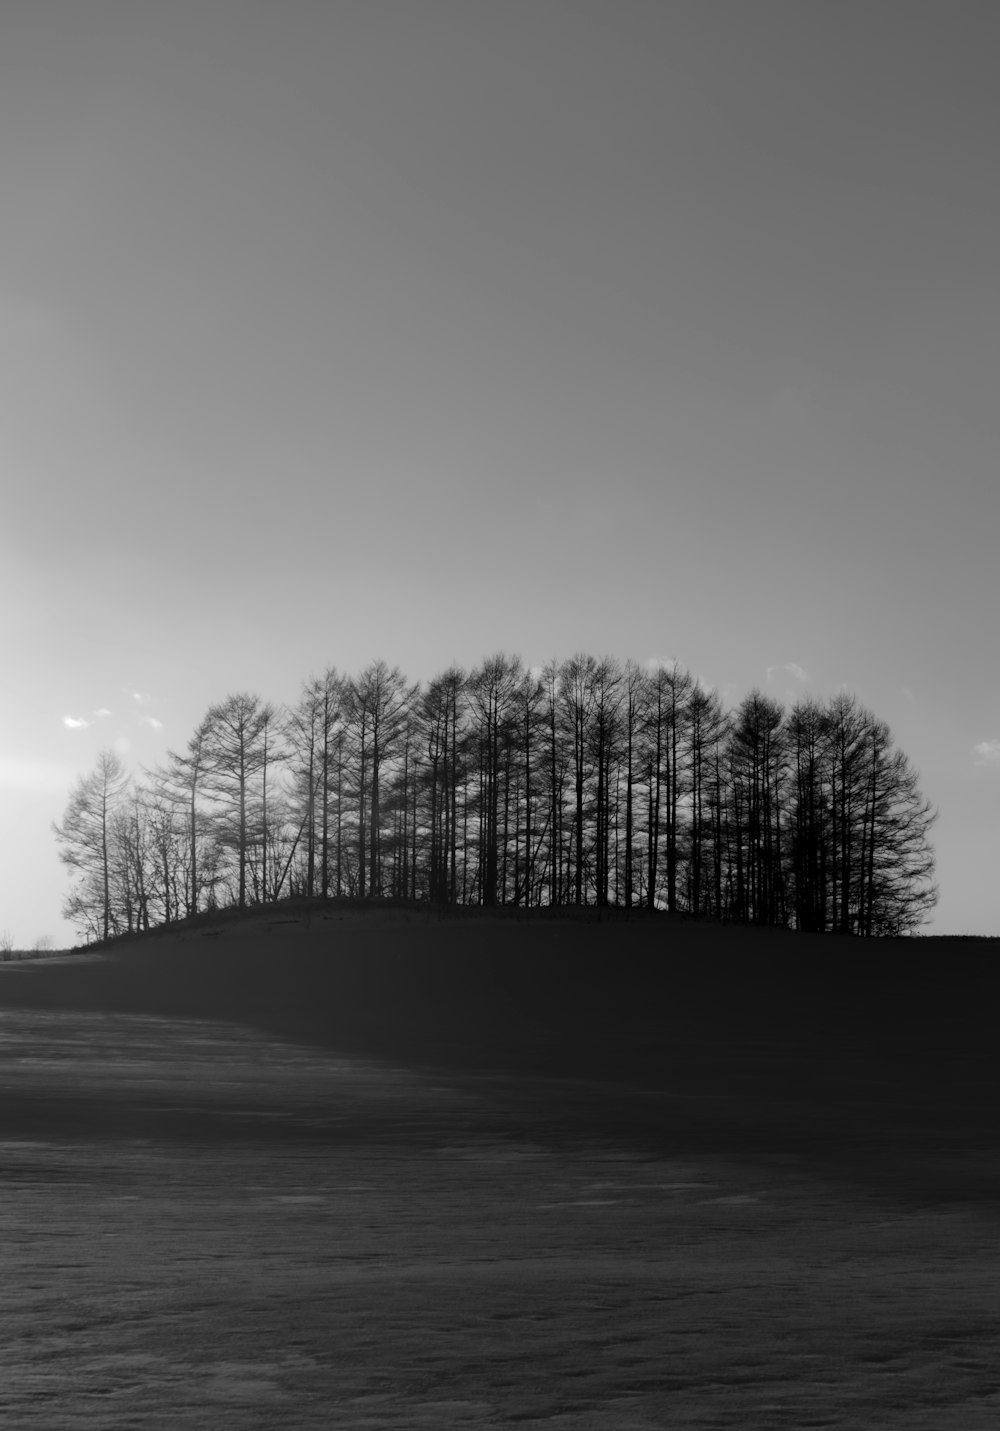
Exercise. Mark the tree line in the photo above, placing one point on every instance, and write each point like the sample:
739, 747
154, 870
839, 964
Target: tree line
589, 781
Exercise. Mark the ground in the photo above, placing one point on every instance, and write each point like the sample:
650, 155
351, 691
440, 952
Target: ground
390, 1171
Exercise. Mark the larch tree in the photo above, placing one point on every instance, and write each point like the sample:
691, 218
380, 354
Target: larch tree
757, 773
134, 862
167, 850
897, 888
585, 781
845, 745
312, 729
493, 702
376, 709
433, 718
576, 699
666, 745
635, 692
809, 817
529, 720
86, 839
440, 724
604, 738
181, 782
556, 773
236, 759
707, 728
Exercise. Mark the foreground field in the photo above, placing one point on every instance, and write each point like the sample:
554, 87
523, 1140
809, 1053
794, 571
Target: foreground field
389, 1172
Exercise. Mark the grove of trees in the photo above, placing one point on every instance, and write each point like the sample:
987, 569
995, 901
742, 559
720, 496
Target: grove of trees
586, 782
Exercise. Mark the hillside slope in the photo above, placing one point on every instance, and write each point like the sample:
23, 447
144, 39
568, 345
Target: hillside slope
874, 1058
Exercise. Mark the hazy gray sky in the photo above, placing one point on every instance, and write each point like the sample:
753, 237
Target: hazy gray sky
331, 331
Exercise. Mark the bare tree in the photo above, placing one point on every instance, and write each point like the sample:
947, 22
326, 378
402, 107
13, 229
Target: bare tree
236, 759
897, 890
310, 731
603, 740
576, 698
557, 772
757, 768
707, 729
810, 834
666, 748
493, 700
515, 786
86, 837
529, 784
376, 708
860, 859
180, 784
635, 691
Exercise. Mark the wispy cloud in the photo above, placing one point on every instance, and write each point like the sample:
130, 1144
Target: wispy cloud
987, 752
789, 668
139, 697
73, 723
152, 722
103, 711
660, 663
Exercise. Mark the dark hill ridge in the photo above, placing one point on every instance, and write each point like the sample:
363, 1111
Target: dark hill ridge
876, 1057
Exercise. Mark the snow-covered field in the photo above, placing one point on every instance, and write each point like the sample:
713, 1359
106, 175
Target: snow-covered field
418, 1179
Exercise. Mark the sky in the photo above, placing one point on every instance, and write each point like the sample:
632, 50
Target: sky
333, 330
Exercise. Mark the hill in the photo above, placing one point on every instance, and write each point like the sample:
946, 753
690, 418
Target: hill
873, 1058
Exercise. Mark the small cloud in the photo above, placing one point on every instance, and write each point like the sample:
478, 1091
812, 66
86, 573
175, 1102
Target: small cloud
987, 752
791, 668
72, 723
907, 693
152, 722
660, 663
138, 696
102, 712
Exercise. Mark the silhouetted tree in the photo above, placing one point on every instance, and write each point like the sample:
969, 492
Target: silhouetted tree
438, 723
133, 863
666, 745
707, 731
845, 739
493, 700
810, 819
635, 693
556, 867
180, 783
376, 706
312, 729
529, 782
168, 863
897, 889
576, 697
603, 742
236, 759
757, 772
585, 782
86, 838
